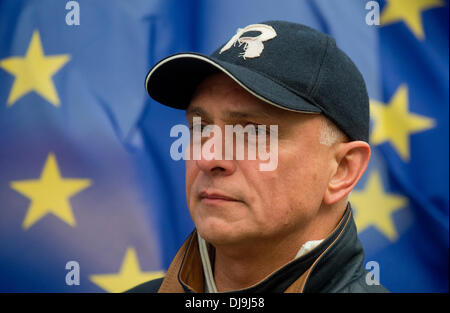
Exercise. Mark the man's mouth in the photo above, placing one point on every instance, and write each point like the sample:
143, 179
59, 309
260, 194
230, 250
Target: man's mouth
212, 197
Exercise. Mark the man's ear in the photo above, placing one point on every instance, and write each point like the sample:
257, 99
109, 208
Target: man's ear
351, 159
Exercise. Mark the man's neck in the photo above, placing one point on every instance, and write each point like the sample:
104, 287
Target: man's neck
232, 272
241, 267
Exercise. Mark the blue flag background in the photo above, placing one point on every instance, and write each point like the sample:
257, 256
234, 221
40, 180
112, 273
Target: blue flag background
85, 168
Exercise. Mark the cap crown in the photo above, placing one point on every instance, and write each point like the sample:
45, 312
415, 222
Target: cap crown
307, 63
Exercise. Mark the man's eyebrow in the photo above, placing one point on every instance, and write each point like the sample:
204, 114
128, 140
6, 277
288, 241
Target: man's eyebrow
248, 114
230, 115
198, 111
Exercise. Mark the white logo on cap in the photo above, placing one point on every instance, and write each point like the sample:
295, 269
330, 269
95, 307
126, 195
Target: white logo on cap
253, 46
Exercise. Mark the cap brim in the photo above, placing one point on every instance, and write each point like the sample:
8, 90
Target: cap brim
174, 80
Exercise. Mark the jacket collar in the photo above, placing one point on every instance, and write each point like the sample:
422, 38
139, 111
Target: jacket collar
321, 270
340, 263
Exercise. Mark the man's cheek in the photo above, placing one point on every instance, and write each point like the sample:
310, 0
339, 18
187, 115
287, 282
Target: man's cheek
190, 178
191, 170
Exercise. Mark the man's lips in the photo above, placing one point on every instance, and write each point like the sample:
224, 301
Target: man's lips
214, 196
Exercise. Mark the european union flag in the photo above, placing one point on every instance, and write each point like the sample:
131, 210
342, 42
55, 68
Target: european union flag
87, 184
403, 205
81, 178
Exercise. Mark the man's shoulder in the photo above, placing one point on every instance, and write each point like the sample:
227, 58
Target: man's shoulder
151, 286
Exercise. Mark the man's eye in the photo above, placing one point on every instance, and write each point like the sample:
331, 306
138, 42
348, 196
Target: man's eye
201, 128
257, 129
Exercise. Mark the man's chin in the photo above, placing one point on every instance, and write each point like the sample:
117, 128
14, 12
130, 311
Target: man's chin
222, 234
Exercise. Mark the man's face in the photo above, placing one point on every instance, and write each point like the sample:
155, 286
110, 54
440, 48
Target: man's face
233, 201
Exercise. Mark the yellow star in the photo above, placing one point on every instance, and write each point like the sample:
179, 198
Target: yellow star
130, 275
394, 123
374, 207
49, 194
408, 11
34, 72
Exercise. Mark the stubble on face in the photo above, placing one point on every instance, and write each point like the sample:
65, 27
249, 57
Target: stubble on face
232, 201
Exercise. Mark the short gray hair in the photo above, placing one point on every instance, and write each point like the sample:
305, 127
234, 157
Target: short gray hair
330, 133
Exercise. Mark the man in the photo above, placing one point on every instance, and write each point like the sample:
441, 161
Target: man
289, 229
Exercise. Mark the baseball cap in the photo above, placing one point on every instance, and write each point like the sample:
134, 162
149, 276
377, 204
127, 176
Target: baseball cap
288, 65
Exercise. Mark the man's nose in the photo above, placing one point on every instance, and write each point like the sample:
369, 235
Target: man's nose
216, 163
216, 167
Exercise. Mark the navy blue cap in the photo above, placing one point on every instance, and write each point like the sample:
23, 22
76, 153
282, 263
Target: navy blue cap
288, 65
